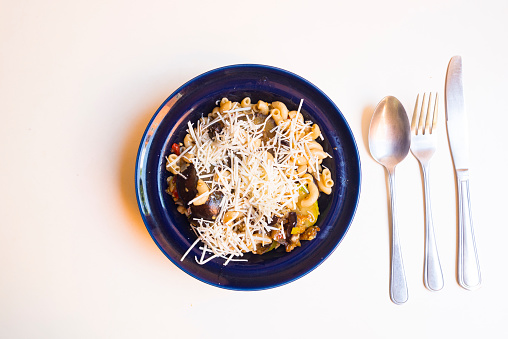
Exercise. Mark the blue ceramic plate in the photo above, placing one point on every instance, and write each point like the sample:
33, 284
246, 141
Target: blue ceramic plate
171, 231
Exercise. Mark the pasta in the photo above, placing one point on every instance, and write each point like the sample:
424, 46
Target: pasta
301, 170
261, 107
314, 145
325, 183
318, 153
171, 165
188, 141
248, 177
277, 116
202, 194
313, 195
282, 109
246, 102
187, 157
230, 216
315, 132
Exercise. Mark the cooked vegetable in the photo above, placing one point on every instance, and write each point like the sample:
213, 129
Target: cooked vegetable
210, 209
186, 184
310, 233
215, 128
175, 148
307, 216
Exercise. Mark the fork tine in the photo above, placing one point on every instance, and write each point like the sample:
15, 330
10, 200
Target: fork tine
429, 117
434, 120
422, 116
415, 116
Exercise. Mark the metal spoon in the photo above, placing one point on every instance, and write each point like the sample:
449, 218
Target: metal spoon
389, 142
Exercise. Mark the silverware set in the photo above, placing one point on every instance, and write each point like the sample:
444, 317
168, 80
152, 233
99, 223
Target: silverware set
390, 139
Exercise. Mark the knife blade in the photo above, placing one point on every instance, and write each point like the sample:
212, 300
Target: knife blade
468, 266
456, 119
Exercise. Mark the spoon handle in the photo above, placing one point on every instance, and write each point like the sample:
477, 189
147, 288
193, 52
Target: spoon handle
398, 285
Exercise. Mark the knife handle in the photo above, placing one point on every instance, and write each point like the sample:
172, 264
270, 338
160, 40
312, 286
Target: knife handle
468, 265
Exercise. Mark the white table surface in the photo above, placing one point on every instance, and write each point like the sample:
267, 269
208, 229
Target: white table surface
80, 80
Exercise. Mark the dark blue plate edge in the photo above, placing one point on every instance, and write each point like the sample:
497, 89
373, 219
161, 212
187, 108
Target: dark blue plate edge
143, 141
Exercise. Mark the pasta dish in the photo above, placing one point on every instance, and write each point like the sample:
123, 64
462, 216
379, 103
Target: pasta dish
248, 176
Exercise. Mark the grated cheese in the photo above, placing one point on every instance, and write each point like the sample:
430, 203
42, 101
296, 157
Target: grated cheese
258, 187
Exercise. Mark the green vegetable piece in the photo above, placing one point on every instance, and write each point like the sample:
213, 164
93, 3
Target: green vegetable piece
307, 216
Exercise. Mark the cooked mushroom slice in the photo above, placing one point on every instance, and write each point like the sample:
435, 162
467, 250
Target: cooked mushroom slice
292, 219
210, 209
292, 240
187, 187
215, 128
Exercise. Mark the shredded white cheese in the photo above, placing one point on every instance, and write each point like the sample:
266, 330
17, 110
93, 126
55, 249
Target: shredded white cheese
255, 174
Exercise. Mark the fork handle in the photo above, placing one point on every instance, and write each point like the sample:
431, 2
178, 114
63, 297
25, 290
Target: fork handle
468, 265
433, 275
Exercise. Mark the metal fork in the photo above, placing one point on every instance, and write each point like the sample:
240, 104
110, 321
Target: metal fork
423, 146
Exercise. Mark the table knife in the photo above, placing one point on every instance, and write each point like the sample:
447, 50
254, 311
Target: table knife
468, 267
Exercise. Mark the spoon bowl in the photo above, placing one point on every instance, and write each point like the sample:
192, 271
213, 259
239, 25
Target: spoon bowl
389, 143
389, 133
